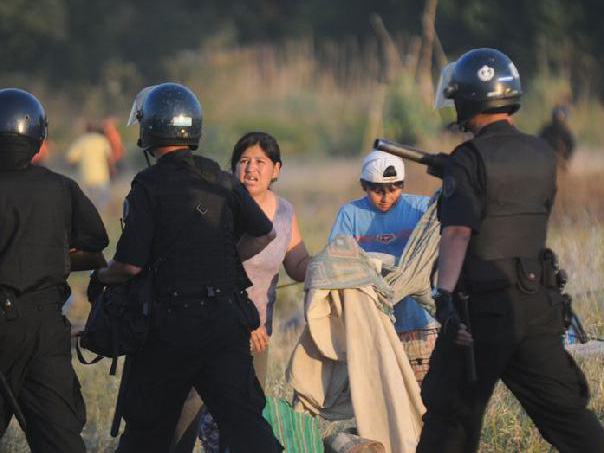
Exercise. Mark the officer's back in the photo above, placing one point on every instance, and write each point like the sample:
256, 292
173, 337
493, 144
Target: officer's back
190, 225
36, 207
44, 217
197, 216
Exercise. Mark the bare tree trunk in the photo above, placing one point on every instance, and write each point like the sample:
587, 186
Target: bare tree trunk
415, 47
441, 56
375, 122
391, 55
424, 69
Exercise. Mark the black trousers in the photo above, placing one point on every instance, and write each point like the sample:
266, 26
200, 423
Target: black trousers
517, 339
202, 346
35, 357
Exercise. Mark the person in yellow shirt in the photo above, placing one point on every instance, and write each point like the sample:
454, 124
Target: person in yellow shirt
91, 152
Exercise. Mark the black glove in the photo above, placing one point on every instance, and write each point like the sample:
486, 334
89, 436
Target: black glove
446, 313
95, 287
567, 310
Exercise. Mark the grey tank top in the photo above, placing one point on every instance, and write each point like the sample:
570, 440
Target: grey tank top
263, 268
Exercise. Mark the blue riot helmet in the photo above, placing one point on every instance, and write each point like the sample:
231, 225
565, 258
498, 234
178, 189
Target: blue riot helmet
169, 114
481, 81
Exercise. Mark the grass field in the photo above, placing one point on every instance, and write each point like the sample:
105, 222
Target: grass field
317, 189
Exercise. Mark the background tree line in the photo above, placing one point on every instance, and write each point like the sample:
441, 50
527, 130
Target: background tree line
84, 41
325, 76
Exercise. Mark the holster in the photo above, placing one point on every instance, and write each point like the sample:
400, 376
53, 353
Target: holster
527, 274
551, 268
481, 276
248, 313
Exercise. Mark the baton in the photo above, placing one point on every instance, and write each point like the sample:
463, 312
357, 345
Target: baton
434, 162
10, 396
469, 349
121, 394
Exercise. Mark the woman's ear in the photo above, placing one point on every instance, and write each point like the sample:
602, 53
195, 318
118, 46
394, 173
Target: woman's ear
276, 171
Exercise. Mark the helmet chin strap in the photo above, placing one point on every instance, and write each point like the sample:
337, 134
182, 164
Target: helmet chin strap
146, 151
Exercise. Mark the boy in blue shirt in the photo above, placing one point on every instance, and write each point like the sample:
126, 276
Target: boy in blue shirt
382, 222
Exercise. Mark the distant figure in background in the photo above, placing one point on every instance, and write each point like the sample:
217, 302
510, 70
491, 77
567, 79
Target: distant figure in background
114, 137
92, 153
42, 156
558, 135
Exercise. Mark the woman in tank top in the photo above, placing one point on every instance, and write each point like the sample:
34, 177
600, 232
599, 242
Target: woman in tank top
256, 161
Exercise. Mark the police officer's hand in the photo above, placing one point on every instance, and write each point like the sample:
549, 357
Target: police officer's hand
259, 339
95, 287
464, 337
448, 317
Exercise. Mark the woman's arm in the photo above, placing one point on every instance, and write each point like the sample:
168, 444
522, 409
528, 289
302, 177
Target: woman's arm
297, 257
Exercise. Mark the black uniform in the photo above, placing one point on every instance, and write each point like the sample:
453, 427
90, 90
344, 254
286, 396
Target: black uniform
43, 215
191, 222
501, 184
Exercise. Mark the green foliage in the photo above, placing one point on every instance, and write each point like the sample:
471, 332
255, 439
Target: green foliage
70, 41
312, 85
407, 118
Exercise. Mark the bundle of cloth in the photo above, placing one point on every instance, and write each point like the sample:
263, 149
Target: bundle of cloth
349, 361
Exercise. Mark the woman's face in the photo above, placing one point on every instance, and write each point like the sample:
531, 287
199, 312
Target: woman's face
256, 171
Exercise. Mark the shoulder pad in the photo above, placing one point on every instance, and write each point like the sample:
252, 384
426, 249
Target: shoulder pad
208, 167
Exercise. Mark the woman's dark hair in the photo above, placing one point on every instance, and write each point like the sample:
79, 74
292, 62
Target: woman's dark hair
266, 141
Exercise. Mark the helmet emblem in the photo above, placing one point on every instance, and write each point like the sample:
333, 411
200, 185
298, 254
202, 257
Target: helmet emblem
182, 120
486, 73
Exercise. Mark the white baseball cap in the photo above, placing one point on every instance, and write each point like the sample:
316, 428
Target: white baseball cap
382, 167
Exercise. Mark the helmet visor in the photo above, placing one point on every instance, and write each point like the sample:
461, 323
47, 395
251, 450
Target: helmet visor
440, 100
137, 105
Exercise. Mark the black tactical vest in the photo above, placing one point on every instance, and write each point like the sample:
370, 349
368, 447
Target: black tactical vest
195, 240
35, 221
519, 189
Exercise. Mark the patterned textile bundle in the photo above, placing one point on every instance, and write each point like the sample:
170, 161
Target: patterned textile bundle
412, 276
297, 432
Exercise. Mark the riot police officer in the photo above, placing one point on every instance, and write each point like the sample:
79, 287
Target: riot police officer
498, 191
191, 223
44, 216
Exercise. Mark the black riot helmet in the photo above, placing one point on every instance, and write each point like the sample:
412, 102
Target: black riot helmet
22, 115
170, 115
483, 81
22, 128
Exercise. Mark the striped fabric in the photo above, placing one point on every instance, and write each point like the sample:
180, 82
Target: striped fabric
297, 432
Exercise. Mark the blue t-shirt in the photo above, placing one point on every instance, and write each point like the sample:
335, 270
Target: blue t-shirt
386, 232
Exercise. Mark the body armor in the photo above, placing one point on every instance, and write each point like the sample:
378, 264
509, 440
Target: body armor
519, 188
35, 205
197, 247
